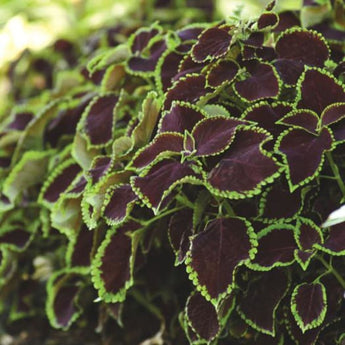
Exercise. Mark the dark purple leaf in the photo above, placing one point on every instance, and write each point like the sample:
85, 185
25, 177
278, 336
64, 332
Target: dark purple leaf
263, 82
78, 186
189, 66
248, 53
267, 20
276, 247
143, 64
116, 207
214, 134
100, 120
279, 203
169, 68
303, 257
304, 153
212, 43
255, 39
309, 305
287, 20
61, 182
189, 89
159, 180
302, 118
318, 90
20, 121
189, 33
16, 237
266, 53
259, 303
289, 70
64, 307
308, 234
329, 32
203, 317
100, 166
142, 38
165, 142
303, 46
243, 167
266, 115
309, 337
223, 72
65, 123
217, 251
332, 114
335, 242
180, 117
114, 267
82, 247
179, 231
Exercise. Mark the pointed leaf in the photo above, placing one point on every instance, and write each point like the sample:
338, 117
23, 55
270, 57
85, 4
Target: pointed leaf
332, 114
80, 248
214, 135
181, 117
303, 153
263, 82
318, 89
163, 144
118, 203
301, 118
99, 120
268, 20
62, 304
222, 72
309, 305
244, 167
212, 43
59, 181
308, 234
335, 241
260, 301
112, 268
202, 317
190, 89
216, 252
276, 248
179, 231
160, 179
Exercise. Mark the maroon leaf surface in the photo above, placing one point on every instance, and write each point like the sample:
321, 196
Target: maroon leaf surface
223, 72
318, 90
180, 117
212, 43
202, 316
100, 120
217, 251
258, 304
263, 83
304, 153
243, 167
159, 180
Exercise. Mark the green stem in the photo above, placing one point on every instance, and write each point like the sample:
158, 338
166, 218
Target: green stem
336, 173
184, 201
162, 215
332, 270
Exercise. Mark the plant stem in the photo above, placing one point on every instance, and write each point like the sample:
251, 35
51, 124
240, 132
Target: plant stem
331, 269
336, 173
162, 215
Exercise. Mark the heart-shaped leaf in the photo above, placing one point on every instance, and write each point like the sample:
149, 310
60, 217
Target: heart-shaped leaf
309, 305
215, 253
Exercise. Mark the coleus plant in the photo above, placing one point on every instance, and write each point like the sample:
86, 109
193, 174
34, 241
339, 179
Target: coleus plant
176, 184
